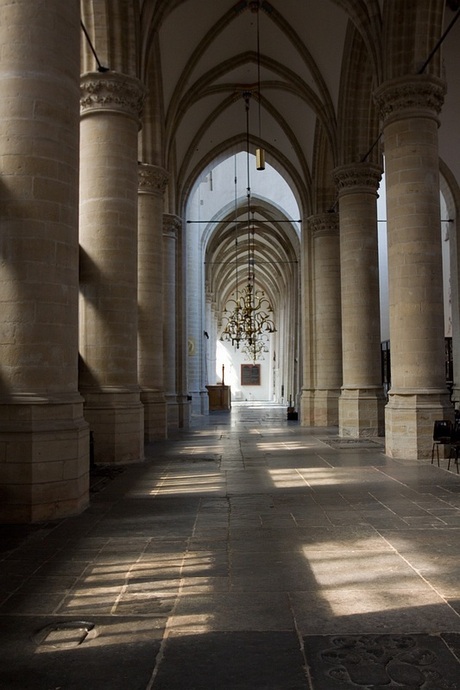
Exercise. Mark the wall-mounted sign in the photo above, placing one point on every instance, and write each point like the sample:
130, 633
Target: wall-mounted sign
250, 374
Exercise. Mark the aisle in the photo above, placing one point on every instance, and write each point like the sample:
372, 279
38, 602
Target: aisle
246, 553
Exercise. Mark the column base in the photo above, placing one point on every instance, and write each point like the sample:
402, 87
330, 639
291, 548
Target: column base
455, 396
44, 447
409, 421
155, 425
178, 411
185, 410
361, 412
307, 407
199, 402
204, 398
172, 411
116, 418
326, 412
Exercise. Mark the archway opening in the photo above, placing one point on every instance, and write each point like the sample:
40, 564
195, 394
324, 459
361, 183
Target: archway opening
242, 222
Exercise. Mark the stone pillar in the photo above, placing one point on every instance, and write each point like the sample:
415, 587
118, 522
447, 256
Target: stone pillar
327, 334
295, 336
171, 228
183, 395
418, 395
361, 404
288, 349
44, 440
110, 107
209, 349
306, 329
212, 328
152, 184
195, 323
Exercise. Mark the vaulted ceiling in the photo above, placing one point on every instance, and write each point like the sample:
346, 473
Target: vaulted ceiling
210, 53
317, 63
310, 66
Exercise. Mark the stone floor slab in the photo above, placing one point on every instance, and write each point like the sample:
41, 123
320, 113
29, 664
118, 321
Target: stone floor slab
232, 661
409, 661
222, 612
119, 656
364, 611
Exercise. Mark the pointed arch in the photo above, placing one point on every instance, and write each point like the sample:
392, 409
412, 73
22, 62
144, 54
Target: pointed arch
357, 117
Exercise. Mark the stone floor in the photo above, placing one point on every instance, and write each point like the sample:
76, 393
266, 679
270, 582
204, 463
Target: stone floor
247, 553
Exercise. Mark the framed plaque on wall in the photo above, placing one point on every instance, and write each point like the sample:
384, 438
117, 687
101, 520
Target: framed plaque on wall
250, 374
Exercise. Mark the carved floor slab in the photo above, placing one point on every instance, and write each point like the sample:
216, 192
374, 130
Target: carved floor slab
381, 662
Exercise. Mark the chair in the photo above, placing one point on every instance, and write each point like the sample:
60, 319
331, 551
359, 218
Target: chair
442, 435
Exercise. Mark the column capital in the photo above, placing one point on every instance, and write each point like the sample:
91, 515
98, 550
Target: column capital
324, 225
152, 179
358, 177
418, 95
111, 92
172, 225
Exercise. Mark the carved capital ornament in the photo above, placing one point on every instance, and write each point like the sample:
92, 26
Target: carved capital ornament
324, 225
111, 92
357, 178
415, 96
172, 225
152, 179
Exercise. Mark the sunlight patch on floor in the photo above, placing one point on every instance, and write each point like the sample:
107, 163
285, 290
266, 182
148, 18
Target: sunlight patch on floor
171, 484
284, 445
286, 478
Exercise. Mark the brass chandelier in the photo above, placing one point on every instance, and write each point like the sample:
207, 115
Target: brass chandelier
249, 320
258, 349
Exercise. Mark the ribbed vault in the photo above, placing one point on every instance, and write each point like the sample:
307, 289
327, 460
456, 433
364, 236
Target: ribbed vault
261, 242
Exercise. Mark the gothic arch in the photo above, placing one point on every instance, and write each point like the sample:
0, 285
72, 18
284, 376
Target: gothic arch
358, 120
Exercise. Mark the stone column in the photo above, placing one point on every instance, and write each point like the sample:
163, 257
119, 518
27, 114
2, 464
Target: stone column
212, 328
306, 328
295, 337
183, 395
288, 307
44, 440
171, 228
361, 404
152, 184
327, 334
418, 395
110, 107
195, 323
209, 349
